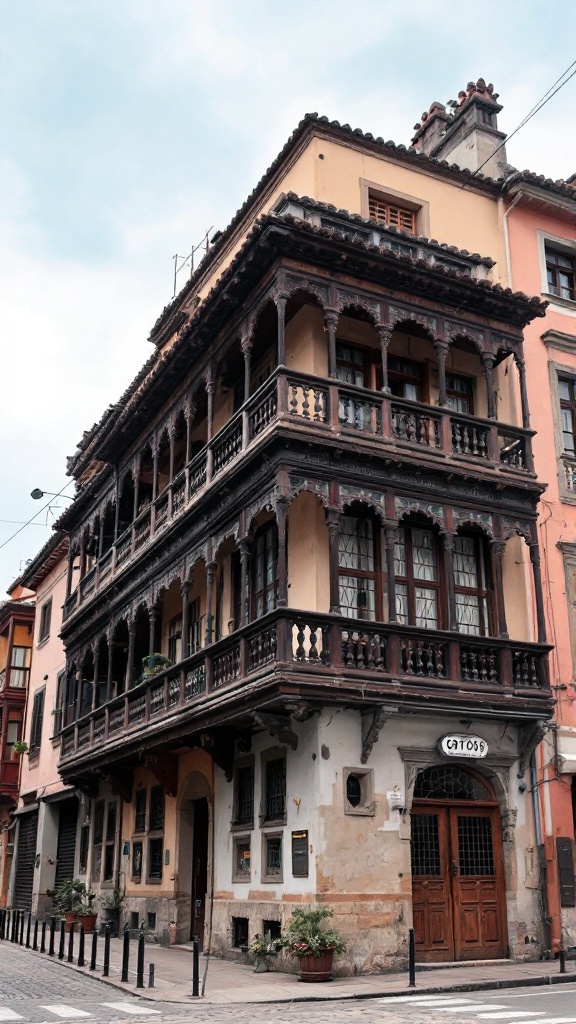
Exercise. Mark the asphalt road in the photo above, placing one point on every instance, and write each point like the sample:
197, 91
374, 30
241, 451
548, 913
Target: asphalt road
33, 990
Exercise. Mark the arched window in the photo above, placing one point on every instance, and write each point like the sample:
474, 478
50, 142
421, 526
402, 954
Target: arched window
359, 574
416, 566
448, 782
264, 570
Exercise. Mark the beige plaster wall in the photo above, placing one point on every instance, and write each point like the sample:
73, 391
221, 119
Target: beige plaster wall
308, 555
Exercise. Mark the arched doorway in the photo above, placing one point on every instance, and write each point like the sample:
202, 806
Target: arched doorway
458, 889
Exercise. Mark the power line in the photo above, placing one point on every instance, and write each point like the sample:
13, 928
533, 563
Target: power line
535, 110
31, 520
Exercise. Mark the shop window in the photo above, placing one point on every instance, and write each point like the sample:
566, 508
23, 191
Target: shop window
358, 791
274, 788
272, 857
45, 617
241, 868
243, 814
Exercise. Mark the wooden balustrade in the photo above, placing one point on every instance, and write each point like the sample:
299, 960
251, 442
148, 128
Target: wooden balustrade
325, 407
314, 644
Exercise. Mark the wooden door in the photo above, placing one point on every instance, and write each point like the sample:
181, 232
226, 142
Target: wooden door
457, 883
199, 869
477, 884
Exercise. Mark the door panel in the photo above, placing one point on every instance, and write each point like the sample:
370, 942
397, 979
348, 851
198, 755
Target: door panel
457, 883
433, 932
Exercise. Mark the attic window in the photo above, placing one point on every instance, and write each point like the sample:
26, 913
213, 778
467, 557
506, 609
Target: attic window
390, 214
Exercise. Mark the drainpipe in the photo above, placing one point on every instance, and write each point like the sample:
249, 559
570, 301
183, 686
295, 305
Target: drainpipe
542, 872
505, 216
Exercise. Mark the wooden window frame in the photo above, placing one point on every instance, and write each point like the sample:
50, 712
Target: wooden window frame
570, 405
554, 288
138, 794
268, 590
273, 754
237, 842
37, 722
394, 197
484, 594
366, 365
411, 582
241, 765
45, 621
419, 378
452, 393
265, 877
377, 575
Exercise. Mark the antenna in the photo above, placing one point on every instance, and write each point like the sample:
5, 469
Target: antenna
181, 261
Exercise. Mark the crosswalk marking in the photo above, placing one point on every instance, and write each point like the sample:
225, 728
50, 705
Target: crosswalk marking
551, 1020
68, 1012
7, 1014
131, 1008
508, 1014
432, 1001
473, 1008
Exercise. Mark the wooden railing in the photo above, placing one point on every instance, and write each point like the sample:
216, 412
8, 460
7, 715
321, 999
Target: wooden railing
322, 407
314, 644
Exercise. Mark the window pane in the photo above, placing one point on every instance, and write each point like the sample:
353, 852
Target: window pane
140, 814
423, 555
564, 390
156, 808
400, 554
275, 788
155, 854
273, 855
468, 613
357, 597
111, 822
402, 603
356, 546
426, 613
465, 563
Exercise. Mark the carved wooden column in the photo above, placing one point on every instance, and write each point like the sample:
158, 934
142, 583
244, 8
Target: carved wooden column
155, 454
488, 364
69, 571
282, 569
523, 393
96, 674
331, 321
281, 340
540, 617
391, 533
210, 574
385, 334
333, 517
210, 391
441, 349
246, 345
109, 679
450, 591
245, 546
130, 656
82, 555
153, 619
185, 643
498, 549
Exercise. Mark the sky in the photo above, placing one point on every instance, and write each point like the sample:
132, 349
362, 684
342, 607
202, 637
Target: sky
128, 128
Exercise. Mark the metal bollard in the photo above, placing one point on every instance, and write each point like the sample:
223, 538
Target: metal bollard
52, 935
411, 960
28, 930
22, 928
71, 944
150, 975
93, 951
10, 927
2, 920
43, 938
106, 967
562, 959
81, 947
62, 940
125, 955
195, 967
15, 926
140, 962
35, 939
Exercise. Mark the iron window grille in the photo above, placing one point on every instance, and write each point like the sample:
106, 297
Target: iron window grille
274, 790
244, 796
157, 808
140, 811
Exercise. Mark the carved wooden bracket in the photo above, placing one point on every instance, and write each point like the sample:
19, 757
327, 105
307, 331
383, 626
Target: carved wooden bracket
165, 768
278, 726
372, 724
301, 711
87, 784
121, 783
529, 736
220, 746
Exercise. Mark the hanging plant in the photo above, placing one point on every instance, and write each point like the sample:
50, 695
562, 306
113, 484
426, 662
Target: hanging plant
20, 747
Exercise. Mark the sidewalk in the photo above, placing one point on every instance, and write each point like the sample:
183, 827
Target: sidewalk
228, 982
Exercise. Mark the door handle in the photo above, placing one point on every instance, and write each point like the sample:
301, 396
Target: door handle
455, 869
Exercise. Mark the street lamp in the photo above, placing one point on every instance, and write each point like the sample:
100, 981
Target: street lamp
37, 494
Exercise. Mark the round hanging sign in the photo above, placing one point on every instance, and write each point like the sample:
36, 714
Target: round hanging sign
463, 746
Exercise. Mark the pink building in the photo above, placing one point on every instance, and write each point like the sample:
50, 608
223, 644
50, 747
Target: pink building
538, 221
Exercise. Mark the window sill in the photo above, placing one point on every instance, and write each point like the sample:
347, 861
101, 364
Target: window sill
361, 812
272, 822
242, 826
153, 881
272, 880
42, 641
557, 300
242, 879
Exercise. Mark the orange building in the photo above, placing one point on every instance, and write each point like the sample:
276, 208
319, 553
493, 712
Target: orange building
538, 219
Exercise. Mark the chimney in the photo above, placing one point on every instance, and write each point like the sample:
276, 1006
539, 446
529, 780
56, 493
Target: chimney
468, 137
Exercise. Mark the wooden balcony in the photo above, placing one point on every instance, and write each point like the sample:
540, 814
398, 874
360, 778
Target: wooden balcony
318, 657
9, 771
319, 410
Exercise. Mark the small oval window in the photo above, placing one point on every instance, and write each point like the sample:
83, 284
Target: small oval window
353, 790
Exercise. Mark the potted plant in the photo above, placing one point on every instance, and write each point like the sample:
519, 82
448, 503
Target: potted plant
152, 664
73, 901
19, 747
314, 945
264, 948
112, 903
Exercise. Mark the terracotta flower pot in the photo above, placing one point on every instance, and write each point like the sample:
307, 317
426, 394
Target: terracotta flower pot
317, 968
70, 919
88, 922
